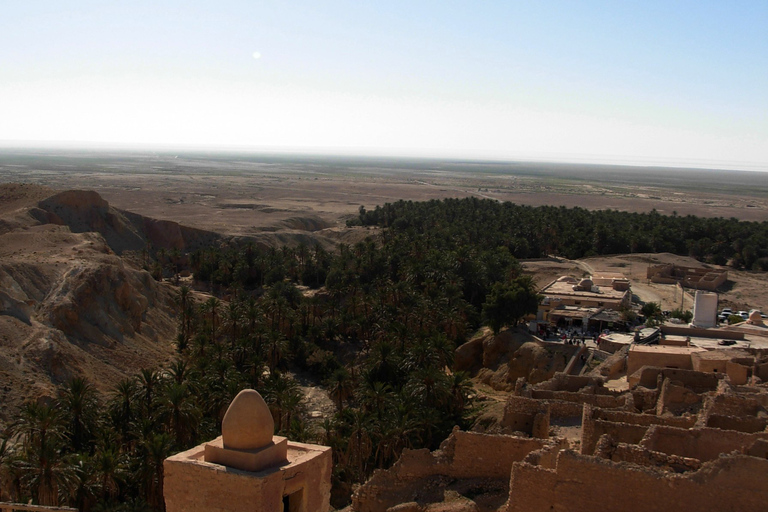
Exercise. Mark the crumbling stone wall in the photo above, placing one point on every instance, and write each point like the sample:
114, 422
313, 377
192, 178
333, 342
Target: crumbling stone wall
527, 416
643, 419
700, 443
574, 383
466, 455
739, 370
604, 401
623, 452
748, 424
648, 377
622, 427
582, 484
677, 399
737, 404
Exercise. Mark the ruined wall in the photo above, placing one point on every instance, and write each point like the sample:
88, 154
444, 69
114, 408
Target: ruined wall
462, 455
761, 371
526, 415
585, 484
642, 456
692, 277
638, 358
708, 365
568, 398
738, 372
701, 443
677, 399
621, 426
644, 399
699, 382
575, 383
643, 419
747, 424
592, 430
737, 404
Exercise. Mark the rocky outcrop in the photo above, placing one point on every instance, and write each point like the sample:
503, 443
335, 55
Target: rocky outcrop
500, 360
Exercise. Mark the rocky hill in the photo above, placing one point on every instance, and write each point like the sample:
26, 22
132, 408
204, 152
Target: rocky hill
70, 303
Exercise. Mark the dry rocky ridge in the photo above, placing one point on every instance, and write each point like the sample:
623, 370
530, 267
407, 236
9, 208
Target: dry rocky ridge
72, 303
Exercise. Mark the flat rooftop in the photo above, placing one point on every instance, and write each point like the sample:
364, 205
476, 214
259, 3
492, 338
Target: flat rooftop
565, 289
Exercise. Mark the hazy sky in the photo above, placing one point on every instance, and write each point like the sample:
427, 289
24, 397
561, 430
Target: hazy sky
630, 81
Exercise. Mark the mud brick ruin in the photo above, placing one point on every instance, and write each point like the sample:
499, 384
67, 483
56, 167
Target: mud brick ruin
677, 439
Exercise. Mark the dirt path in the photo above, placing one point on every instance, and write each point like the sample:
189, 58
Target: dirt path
316, 397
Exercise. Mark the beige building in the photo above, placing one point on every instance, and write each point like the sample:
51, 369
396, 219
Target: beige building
569, 298
249, 469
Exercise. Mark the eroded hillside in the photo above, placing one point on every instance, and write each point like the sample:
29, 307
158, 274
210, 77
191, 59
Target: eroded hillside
70, 305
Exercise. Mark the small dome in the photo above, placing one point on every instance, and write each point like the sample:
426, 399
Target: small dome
248, 424
585, 284
755, 317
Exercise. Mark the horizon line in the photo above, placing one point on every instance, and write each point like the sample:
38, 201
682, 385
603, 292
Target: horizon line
490, 157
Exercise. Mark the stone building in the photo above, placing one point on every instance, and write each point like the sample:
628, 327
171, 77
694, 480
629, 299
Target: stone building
247, 468
577, 301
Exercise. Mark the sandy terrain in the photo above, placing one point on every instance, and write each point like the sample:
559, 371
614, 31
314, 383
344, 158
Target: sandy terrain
250, 194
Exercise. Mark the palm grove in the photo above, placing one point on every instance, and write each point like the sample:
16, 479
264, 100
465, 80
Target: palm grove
377, 322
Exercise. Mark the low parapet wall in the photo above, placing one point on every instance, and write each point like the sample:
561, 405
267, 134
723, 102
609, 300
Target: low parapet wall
699, 332
583, 484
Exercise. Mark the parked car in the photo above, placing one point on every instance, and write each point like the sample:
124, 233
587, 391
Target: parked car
724, 314
743, 314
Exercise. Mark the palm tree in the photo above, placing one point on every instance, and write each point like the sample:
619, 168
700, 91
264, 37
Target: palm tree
210, 309
360, 444
110, 470
376, 397
233, 315
80, 405
154, 449
179, 413
275, 348
10, 488
283, 396
121, 408
44, 470
340, 387
148, 386
184, 299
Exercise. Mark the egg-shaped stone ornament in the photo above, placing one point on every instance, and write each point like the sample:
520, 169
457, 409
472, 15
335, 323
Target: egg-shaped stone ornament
248, 424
